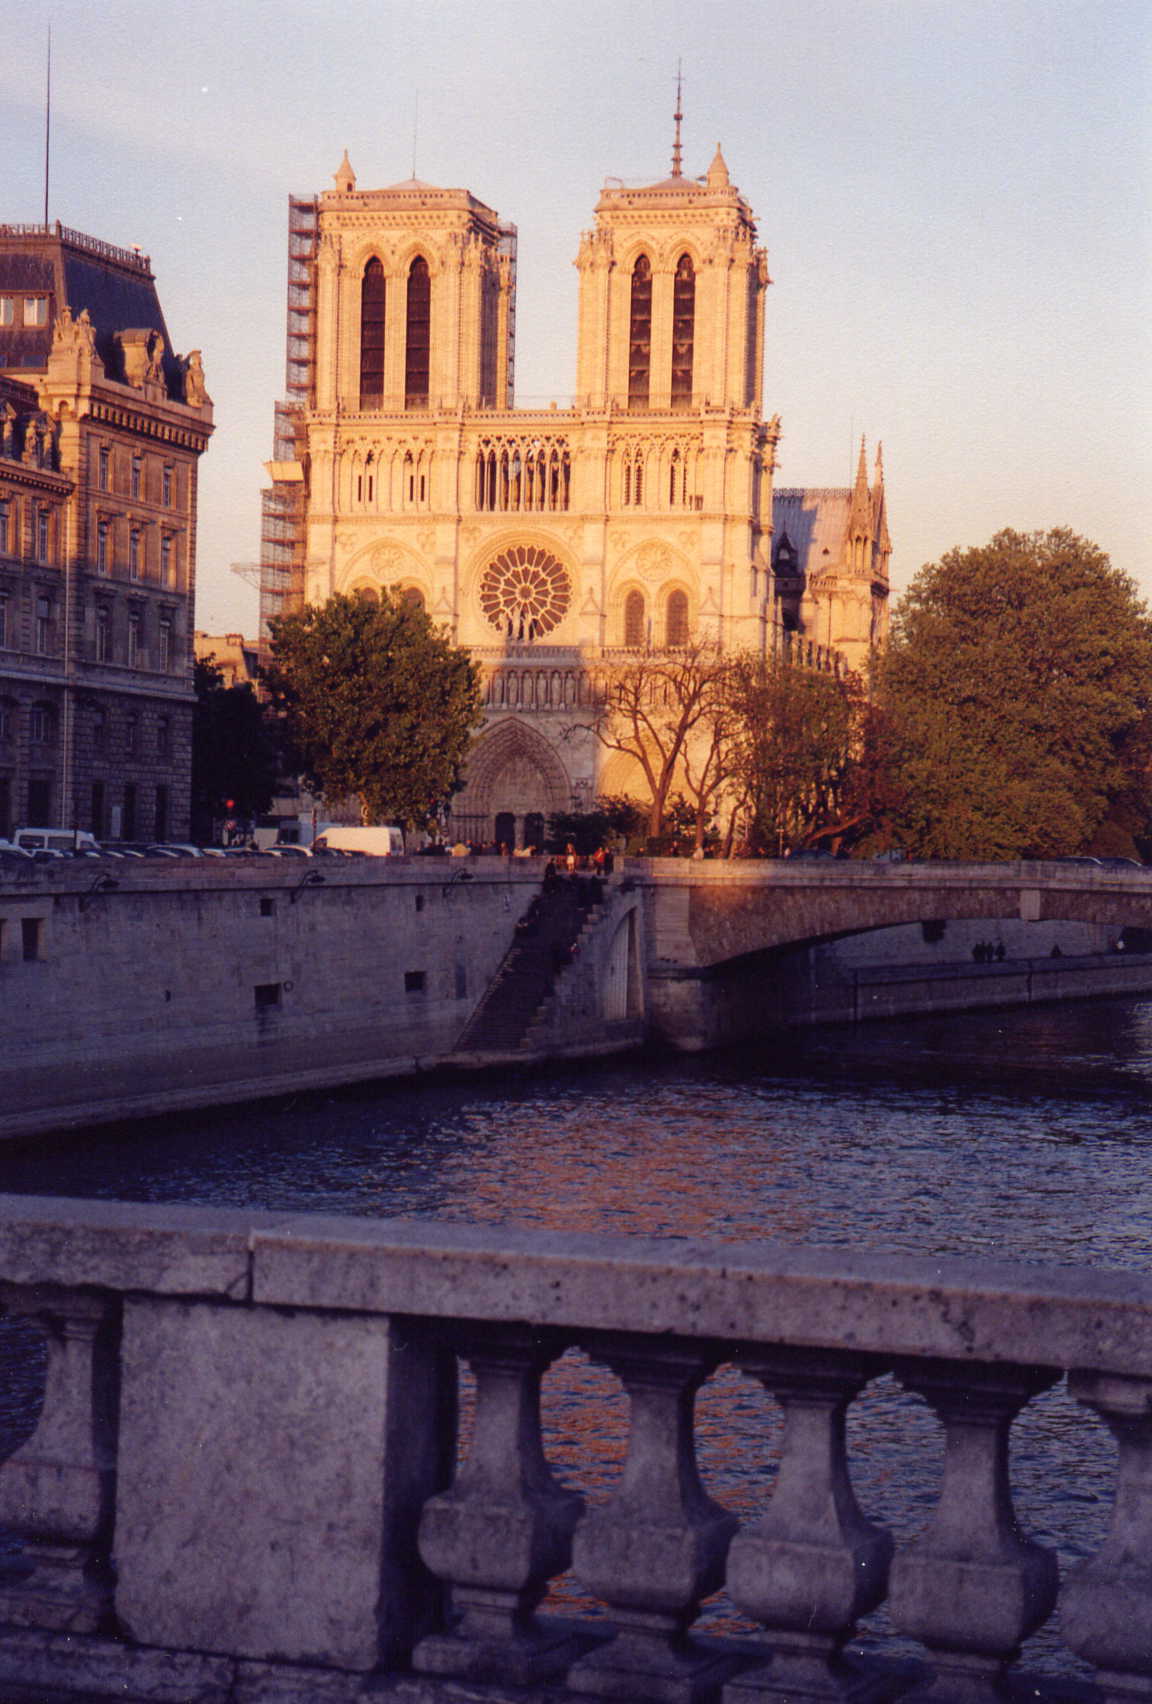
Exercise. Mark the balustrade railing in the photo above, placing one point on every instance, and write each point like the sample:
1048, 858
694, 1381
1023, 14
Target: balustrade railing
239, 1406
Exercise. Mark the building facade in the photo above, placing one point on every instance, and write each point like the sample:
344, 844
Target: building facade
101, 429
554, 543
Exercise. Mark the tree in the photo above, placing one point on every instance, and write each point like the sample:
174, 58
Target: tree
377, 702
1017, 686
794, 736
668, 712
234, 751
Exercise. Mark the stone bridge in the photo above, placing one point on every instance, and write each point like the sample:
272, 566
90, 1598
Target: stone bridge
712, 926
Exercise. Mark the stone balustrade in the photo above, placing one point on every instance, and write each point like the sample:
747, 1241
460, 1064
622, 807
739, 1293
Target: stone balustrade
243, 1486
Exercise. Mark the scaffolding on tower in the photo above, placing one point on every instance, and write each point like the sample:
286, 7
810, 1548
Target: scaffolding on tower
283, 505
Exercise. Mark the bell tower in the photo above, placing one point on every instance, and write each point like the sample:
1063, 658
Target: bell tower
672, 287
415, 289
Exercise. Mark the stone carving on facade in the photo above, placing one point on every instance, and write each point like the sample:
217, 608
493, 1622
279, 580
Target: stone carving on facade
154, 370
195, 394
390, 560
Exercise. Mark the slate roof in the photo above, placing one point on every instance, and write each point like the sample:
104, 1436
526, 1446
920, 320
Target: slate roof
115, 285
814, 521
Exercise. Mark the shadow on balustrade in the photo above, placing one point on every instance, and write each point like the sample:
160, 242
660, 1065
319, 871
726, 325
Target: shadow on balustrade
633, 1615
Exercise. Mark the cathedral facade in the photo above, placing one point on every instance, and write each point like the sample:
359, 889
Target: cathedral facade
554, 543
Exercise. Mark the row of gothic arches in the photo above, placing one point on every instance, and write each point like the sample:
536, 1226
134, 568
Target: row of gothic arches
388, 479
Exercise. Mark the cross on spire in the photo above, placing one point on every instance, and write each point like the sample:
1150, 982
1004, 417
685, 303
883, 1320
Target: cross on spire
678, 115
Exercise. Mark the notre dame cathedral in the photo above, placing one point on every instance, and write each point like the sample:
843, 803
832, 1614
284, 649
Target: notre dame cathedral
553, 542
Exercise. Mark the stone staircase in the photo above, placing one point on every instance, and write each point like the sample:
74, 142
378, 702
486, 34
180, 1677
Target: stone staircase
546, 938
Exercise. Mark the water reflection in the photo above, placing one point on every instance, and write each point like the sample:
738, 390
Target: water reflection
1020, 1135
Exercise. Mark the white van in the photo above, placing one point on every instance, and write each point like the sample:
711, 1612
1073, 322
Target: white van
62, 840
379, 842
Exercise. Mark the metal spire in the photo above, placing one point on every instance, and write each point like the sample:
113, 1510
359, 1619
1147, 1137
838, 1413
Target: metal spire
678, 115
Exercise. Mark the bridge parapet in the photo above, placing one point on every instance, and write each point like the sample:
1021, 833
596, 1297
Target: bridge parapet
705, 913
242, 1483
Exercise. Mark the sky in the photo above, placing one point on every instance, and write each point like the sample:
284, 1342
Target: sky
954, 196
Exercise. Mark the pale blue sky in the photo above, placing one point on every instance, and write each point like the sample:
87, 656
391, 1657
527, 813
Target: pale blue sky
954, 195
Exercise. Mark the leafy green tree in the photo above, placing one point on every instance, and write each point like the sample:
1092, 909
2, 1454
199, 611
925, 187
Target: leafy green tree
1017, 686
377, 702
235, 752
794, 736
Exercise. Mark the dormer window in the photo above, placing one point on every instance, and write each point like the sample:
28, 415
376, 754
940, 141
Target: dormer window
35, 310
7, 310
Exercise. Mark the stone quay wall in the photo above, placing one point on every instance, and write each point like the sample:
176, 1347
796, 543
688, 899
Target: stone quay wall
132, 988
239, 1480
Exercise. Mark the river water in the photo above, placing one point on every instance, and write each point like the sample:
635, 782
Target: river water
1024, 1135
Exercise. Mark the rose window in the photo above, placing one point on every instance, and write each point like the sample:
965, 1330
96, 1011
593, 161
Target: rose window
525, 592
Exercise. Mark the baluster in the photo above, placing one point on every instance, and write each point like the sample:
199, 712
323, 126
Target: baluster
972, 1587
505, 1527
658, 1546
813, 1564
56, 1490
1106, 1606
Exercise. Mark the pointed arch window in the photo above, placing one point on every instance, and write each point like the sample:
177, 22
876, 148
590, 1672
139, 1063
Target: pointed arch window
634, 620
676, 620
373, 291
418, 344
640, 334
683, 331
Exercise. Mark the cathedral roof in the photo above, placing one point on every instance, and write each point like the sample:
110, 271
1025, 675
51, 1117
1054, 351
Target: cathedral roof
815, 520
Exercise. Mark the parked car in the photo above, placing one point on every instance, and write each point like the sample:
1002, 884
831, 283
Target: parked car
58, 841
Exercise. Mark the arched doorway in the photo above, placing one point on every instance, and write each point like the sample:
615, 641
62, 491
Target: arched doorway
514, 774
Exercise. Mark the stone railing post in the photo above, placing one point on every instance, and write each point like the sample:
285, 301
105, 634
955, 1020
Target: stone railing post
658, 1547
813, 1564
57, 1489
505, 1527
972, 1587
1106, 1605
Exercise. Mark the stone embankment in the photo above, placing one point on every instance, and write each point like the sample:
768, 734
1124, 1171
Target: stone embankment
134, 989
239, 1482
